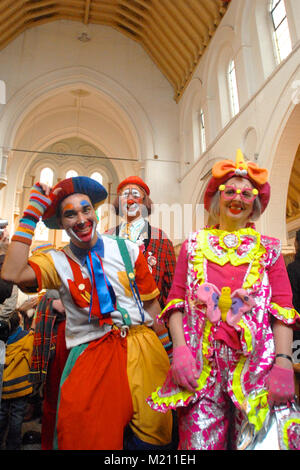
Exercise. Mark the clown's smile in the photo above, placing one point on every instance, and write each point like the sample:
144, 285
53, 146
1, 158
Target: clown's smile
132, 208
235, 209
84, 230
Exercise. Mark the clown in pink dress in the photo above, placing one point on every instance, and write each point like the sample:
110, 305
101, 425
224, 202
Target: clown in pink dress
231, 318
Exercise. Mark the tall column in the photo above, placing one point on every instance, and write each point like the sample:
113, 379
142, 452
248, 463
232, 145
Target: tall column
8, 190
3, 154
3, 167
2, 92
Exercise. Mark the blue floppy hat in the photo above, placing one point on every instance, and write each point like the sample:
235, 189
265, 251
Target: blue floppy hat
78, 184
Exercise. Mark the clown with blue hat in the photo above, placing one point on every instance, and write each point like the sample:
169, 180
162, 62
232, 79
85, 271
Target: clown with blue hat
110, 299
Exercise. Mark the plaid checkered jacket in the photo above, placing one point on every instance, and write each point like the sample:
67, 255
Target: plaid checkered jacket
161, 248
45, 335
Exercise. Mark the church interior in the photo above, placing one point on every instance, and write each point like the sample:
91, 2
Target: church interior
157, 88
161, 89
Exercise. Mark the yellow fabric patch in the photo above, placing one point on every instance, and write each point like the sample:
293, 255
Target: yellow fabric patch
144, 375
172, 303
17, 366
285, 313
49, 276
124, 281
259, 409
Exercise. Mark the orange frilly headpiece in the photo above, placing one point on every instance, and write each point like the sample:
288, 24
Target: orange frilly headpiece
226, 169
258, 176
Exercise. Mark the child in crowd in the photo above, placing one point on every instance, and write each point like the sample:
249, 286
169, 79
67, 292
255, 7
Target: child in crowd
16, 386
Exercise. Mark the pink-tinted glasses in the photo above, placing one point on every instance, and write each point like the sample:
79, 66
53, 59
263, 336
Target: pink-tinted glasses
230, 192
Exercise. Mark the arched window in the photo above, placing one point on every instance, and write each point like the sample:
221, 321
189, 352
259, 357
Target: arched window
202, 131
281, 33
233, 90
71, 174
97, 176
41, 232
46, 176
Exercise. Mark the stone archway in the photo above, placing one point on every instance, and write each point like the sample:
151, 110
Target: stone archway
274, 222
40, 115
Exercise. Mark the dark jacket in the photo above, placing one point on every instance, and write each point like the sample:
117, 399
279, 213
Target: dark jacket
293, 270
5, 287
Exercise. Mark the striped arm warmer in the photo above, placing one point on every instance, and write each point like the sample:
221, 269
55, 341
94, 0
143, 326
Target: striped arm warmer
38, 203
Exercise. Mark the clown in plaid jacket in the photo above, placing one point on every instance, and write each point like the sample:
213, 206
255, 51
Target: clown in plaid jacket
159, 253
134, 205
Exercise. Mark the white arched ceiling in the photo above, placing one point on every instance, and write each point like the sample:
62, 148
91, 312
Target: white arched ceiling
74, 102
124, 106
75, 112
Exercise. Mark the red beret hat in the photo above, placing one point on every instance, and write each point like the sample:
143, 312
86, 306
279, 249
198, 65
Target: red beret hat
134, 180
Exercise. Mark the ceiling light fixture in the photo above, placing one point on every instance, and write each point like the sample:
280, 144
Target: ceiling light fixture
84, 37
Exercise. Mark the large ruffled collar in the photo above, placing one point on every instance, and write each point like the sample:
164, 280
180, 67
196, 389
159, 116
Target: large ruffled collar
221, 247
240, 247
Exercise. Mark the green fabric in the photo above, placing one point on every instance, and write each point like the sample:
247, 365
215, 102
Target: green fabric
126, 258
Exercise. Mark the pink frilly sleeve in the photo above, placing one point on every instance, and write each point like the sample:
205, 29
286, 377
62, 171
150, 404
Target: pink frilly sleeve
282, 296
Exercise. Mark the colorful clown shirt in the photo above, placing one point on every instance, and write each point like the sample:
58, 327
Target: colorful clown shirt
66, 270
228, 286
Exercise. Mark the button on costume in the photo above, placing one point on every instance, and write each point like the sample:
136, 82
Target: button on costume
115, 357
228, 286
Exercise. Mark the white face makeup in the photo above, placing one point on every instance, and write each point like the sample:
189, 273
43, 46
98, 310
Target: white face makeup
133, 210
131, 199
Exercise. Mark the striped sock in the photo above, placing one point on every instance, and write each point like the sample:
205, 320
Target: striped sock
167, 343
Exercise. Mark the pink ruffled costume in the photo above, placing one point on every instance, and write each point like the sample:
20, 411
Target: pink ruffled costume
228, 285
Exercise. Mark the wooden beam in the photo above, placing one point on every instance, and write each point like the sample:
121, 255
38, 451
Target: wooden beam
181, 56
185, 40
129, 4
87, 11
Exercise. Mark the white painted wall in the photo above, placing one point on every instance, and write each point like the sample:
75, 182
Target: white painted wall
268, 120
